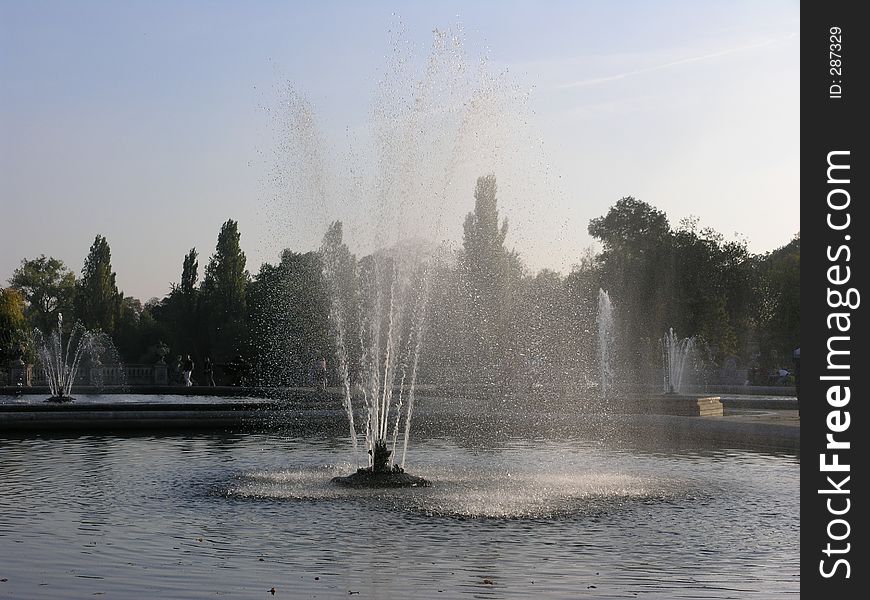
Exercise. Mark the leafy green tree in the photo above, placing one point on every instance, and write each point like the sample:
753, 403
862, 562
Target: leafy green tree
544, 330
490, 276
637, 268
151, 332
12, 324
444, 358
48, 288
289, 318
189, 274
223, 306
709, 295
225, 276
128, 337
138, 334
342, 294
688, 278
176, 318
581, 286
778, 304
483, 239
631, 226
98, 302
185, 300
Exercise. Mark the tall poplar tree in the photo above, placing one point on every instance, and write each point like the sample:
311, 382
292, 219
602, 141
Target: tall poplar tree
187, 288
490, 276
223, 303
98, 302
189, 273
225, 276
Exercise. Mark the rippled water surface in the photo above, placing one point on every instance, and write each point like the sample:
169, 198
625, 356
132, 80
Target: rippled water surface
204, 516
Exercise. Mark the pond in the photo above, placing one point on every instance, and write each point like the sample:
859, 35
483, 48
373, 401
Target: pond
516, 515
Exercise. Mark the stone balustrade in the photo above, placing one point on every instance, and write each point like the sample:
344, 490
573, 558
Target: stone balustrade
24, 375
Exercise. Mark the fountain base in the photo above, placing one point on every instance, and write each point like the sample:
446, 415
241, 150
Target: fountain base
685, 405
381, 474
59, 399
369, 478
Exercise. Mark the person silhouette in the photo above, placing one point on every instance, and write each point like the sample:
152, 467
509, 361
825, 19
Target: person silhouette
321, 373
187, 370
208, 372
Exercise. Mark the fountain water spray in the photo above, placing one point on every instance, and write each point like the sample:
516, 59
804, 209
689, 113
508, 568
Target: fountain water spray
675, 358
605, 341
391, 298
399, 188
61, 361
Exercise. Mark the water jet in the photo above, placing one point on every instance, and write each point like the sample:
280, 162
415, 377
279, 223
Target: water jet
61, 360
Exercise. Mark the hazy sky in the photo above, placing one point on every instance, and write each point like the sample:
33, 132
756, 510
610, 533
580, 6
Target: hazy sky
148, 122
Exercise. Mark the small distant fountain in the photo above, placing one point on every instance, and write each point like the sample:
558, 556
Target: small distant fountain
61, 361
605, 341
676, 353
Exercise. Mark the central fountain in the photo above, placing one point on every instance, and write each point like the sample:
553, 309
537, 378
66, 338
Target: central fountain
380, 474
429, 137
389, 298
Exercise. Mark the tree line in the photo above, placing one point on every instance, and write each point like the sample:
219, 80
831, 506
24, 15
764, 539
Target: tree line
490, 320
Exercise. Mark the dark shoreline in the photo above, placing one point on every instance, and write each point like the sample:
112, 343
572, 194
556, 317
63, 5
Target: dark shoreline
269, 392
766, 423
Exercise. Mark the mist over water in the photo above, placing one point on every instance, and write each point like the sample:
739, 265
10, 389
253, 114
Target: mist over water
440, 117
401, 185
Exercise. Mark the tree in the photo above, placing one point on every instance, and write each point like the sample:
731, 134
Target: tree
707, 294
225, 276
128, 336
176, 318
189, 274
490, 275
98, 302
483, 239
12, 324
342, 294
289, 317
582, 287
223, 306
778, 303
48, 288
637, 269
630, 225
185, 301
688, 278
544, 329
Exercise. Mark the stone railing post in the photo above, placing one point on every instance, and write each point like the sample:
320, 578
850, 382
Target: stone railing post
97, 376
161, 376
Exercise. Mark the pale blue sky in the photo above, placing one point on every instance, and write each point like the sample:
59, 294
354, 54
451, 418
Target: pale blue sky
147, 121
